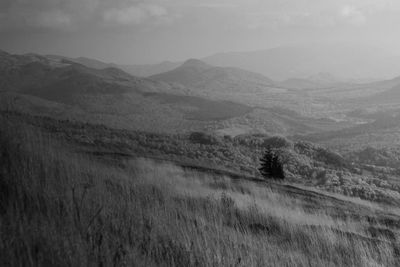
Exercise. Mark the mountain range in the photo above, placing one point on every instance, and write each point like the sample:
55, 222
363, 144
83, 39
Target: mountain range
175, 101
193, 96
33, 83
316, 62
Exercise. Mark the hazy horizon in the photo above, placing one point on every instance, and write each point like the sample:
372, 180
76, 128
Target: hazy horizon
270, 138
140, 32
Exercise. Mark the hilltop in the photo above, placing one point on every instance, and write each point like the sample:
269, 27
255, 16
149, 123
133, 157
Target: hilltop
216, 81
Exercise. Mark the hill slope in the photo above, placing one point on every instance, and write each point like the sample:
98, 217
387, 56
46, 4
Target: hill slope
391, 95
92, 210
113, 97
215, 80
144, 70
108, 95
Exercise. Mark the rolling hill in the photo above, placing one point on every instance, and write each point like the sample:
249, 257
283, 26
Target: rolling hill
42, 85
232, 84
143, 70
209, 79
389, 96
110, 96
390, 92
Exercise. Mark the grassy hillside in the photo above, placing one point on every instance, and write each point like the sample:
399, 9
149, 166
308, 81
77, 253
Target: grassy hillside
305, 163
60, 207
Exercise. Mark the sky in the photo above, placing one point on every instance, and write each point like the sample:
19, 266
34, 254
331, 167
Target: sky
149, 31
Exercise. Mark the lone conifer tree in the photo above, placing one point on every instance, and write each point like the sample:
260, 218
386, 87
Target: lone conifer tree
271, 166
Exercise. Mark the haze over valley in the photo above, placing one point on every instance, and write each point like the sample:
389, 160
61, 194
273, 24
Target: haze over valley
180, 133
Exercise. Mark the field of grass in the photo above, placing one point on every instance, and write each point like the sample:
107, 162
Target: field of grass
62, 208
305, 163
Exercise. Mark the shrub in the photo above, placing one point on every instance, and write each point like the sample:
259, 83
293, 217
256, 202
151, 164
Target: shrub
203, 138
277, 142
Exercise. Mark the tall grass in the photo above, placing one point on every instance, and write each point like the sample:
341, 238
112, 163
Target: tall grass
59, 208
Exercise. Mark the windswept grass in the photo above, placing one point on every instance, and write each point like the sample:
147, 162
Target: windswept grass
59, 208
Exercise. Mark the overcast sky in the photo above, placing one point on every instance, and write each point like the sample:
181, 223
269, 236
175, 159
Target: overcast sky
140, 31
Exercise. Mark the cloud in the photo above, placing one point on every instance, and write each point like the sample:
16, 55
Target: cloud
22, 19
353, 15
55, 19
237, 14
134, 15
44, 14
309, 14
75, 14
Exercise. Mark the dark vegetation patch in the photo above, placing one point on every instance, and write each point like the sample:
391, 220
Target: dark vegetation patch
204, 109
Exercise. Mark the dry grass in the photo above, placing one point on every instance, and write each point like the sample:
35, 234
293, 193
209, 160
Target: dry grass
62, 209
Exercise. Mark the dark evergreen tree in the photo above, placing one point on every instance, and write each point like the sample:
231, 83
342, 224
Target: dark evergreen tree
266, 164
277, 168
271, 165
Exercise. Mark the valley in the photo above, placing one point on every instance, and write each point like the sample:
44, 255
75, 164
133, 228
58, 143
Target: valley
185, 145
213, 133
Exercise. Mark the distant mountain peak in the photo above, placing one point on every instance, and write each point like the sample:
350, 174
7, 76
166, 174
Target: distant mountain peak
195, 63
2, 52
210, 79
